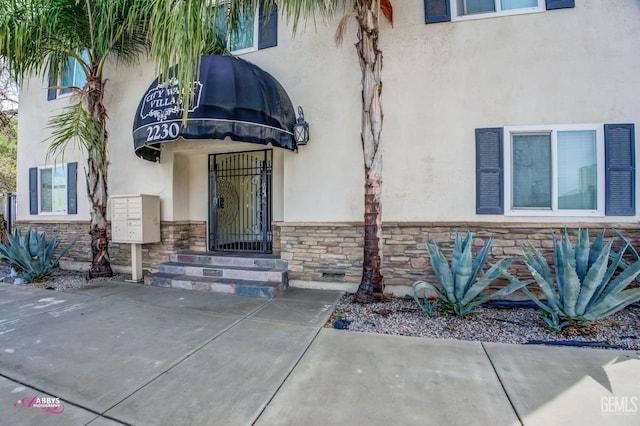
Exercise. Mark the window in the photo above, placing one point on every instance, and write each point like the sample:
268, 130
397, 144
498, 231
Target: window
242, 39
52, 190
560, 170
456, 10
256, 30
72, 75
472, 8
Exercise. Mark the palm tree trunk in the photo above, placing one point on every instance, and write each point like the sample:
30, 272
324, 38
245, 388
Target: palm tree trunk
371, 287
97, 168
96, 185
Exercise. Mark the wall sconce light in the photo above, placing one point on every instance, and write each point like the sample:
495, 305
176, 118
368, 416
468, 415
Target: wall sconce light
301, 129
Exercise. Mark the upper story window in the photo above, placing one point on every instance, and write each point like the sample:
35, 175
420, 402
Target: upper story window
465, 9
256, 29
459, 10
245, 37
72, 76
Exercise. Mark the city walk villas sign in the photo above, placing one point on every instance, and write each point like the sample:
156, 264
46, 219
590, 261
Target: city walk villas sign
160, 104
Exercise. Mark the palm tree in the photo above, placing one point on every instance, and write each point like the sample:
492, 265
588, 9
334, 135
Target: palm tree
367, 14
38, 37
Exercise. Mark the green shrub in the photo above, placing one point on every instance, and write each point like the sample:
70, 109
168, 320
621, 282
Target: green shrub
584, 289
461, 284
31, 256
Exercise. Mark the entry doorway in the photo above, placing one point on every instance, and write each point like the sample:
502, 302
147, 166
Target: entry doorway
240, 202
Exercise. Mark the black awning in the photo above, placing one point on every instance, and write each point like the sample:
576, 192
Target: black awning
233, 98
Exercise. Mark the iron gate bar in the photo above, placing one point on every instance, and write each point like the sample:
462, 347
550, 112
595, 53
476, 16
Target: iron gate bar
240, 201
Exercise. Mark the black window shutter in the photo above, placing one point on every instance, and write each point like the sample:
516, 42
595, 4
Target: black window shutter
436, 11
489, 171
560, 4
268, 28
51, 93
72, 188
620, 171
33, 190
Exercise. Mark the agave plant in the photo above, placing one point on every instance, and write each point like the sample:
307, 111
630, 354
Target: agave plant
32, 256
460, 285
585, 289
624, 264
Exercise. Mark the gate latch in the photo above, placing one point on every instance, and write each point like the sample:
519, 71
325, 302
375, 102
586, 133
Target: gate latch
219, 203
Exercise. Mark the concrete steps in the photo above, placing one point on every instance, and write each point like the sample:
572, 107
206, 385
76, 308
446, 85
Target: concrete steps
247, 276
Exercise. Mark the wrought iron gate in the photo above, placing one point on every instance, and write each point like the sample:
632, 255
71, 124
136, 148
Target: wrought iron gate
240, 187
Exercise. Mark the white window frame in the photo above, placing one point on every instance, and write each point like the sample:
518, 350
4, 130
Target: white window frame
256, 29
458, 12
553, 130
64, 167
59, 93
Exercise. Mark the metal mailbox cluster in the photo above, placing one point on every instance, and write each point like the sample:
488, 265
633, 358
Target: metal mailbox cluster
135, 219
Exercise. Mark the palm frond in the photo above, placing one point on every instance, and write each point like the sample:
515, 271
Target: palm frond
342, 27
304, 11
75, 126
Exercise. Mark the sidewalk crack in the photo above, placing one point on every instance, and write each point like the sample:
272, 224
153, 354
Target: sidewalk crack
501, 383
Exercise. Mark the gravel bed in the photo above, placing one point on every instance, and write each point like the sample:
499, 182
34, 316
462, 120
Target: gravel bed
59, 280
512, 325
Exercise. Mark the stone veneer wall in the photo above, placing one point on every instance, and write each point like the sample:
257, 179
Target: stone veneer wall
175, 236
333, 252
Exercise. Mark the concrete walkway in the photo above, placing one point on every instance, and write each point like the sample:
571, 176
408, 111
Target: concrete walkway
119, 353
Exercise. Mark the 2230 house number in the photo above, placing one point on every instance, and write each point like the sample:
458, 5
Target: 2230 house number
162, 131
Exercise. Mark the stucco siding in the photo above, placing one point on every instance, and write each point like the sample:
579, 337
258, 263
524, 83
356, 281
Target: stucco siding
440, 83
